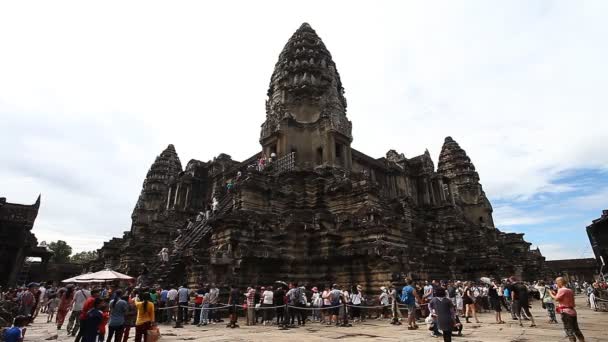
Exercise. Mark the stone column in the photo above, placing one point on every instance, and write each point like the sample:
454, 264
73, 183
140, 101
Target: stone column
187, 195
169, 198
176, 199
426, 197
429, 185
441, 190
451, 189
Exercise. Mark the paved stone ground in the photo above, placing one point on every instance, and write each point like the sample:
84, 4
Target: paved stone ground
593, 324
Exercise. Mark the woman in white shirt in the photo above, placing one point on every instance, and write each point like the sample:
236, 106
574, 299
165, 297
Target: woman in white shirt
356, 299
267, 300
317, 303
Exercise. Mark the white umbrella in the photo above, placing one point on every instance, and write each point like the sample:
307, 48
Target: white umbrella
101, 276
73, 279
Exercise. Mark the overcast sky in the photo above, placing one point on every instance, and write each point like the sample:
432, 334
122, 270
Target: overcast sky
91, 93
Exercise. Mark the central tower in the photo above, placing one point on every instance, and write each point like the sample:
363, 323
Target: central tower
306, 108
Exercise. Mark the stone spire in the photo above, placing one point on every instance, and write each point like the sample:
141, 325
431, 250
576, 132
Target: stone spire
305, 84
166, 166
455, 164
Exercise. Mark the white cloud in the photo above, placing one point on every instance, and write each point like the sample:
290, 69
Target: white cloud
507, 216
91, 93
555, 251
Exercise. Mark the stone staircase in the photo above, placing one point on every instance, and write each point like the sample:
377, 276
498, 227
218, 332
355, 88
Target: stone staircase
164, 272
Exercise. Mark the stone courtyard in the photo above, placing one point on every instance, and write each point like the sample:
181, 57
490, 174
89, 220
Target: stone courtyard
593, 325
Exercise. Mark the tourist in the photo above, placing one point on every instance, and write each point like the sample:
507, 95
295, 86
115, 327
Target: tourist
154, 300
86, 306
233, 301
42, 299
105, 318
302, 305
145, 317
428, 291
199, 295
17, 332
250, 300
520, 299
495, 301
183, 295
565, 297
468, 300
383, 299
172, 305
164, 255
293, 297
130, 317
214, 295
444, 309
118, 310
162, 304
215, 205
459, 296
326, 304
335, 297
279, 302
356, 299
28, 301
408, 298
204, 319
317, 304
546, 301
396, 313
507, 290
93, 317
52, 307
80, 296
593, 295
267, 301
344, 309
66, 296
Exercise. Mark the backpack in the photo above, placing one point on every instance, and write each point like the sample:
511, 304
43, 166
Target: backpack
405, 297
295, 295
334, 297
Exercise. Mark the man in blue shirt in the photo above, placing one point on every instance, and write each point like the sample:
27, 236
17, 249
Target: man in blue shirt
409, 297
162, 303
17, 332
183, 294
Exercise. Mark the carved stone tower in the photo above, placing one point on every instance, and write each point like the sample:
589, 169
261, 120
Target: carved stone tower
455, 165
306, 108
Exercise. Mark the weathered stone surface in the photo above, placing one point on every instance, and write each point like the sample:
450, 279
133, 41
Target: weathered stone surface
321, 212
17, 242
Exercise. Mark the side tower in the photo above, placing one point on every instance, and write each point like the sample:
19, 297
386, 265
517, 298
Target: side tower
455, 165
306, 108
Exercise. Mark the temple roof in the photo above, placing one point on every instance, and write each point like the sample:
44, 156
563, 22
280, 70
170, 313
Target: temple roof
305, 66
166, 165
453, 161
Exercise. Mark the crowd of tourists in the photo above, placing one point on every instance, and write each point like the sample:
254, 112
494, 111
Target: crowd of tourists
112, 313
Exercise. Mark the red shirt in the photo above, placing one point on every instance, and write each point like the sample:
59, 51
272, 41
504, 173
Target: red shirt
88, 305
104, 321
565, 297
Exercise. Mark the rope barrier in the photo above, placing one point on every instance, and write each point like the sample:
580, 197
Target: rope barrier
224, 306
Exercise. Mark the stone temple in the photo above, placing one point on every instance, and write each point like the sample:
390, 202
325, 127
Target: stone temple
321, 211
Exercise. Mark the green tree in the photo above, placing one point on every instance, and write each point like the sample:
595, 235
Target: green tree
84, 257
61, 251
